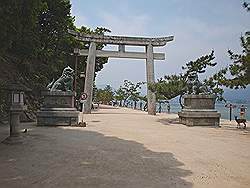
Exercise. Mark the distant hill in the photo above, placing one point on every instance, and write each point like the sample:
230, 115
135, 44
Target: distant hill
239, 96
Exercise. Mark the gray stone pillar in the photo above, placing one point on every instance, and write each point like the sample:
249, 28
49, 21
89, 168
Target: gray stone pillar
89, 78
14, 123
150, 79
15, 112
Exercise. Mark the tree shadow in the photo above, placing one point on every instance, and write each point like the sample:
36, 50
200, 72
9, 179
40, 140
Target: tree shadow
170, 121
74, 157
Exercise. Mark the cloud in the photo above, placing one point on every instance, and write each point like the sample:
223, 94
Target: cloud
81, 20
131, 25
76, 11
193, 38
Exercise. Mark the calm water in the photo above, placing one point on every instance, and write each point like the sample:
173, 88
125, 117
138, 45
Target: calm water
175, 107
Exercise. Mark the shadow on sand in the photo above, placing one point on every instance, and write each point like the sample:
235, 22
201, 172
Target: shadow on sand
74, 157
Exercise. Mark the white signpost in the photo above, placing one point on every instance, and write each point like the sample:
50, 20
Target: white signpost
83, 100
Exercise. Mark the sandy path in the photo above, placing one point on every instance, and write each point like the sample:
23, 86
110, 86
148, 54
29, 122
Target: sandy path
127, 148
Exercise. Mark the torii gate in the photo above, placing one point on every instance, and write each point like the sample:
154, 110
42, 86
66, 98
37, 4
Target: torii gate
121, 41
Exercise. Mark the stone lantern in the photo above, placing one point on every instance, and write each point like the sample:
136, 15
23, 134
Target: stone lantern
16, 102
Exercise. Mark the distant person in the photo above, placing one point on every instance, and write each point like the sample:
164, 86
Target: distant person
77, 104
243, 112
81, 105
145, 108
159, 108
168, 108
140, 105
135, 105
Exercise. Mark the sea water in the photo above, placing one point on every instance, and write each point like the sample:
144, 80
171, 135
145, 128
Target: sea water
220, 107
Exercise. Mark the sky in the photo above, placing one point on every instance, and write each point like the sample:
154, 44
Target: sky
198, 28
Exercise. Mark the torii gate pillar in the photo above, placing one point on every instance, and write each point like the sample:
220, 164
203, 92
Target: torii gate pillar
89, 78
150, 79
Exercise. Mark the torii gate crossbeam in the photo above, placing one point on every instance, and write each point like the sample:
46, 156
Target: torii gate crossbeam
149, 55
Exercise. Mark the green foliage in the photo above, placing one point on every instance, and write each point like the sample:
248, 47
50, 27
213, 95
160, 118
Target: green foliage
120, 94
104, 95
54, 21
18, 27
176, 85
199, 65
98, 31
143, 98
246, 5
240, 68
100, 61
169, 86
36, 45
215, 84
36, 33
132, 91
128, 90
160, 97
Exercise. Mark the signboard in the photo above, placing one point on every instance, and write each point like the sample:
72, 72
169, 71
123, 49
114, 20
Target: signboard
229, 105
84, 96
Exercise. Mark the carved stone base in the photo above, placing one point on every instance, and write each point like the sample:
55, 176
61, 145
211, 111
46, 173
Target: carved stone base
199, 111
55, 117
199, 117
58, 109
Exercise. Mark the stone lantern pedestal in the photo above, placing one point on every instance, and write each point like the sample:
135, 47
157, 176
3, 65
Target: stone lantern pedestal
58, 109
15, 112
17, 106
199, 110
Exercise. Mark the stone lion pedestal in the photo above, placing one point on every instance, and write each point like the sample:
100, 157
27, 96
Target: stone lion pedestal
58, 109
199, 110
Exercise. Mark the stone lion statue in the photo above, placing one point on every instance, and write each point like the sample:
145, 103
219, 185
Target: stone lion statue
64, 83
194, 86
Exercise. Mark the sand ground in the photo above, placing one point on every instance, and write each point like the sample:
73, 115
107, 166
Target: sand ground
127, 148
